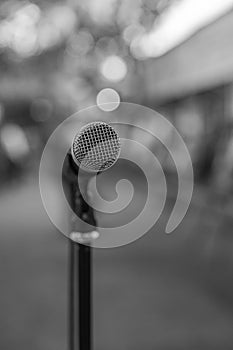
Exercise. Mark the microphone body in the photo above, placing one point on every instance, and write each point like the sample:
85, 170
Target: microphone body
71, 174
95, 148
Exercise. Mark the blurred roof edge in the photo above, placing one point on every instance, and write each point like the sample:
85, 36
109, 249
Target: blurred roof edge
200, 63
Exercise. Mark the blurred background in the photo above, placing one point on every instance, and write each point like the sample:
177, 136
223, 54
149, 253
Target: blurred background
174, 56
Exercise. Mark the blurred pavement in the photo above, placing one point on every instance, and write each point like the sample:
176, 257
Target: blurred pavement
151, 294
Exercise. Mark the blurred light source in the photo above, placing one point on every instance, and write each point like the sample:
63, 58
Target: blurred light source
14, 141
133, 31
129, 11
28, 13
80, 44
178, 23
19, 30
63, 18
114, 68
24, 41
27, 31
101, 11
137, 49
48, 35
108, 100
56, 24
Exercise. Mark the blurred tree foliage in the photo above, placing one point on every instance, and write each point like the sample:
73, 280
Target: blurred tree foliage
57, 48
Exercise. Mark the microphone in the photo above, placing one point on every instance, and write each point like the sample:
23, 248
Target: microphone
94, 149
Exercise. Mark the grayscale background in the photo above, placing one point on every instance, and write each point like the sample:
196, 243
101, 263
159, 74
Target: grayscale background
176, 57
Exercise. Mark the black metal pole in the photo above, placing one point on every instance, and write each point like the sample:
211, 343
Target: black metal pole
85, 296
80, 262
80, 297
71, 292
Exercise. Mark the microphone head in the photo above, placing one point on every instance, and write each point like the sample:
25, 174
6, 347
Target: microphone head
96, 147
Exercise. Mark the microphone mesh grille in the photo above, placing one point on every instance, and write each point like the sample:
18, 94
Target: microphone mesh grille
96, 147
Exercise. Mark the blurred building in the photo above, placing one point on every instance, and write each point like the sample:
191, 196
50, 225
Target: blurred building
174, 56
193, 85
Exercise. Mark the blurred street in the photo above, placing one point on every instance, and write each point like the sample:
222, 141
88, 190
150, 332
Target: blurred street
154, 293
159, 75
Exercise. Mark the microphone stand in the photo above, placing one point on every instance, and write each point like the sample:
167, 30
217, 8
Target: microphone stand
80, 264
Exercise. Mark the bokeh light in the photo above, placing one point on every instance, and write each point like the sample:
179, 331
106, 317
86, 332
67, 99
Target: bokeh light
132, 31
114, 68
80, 44
14, 141
108, 100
